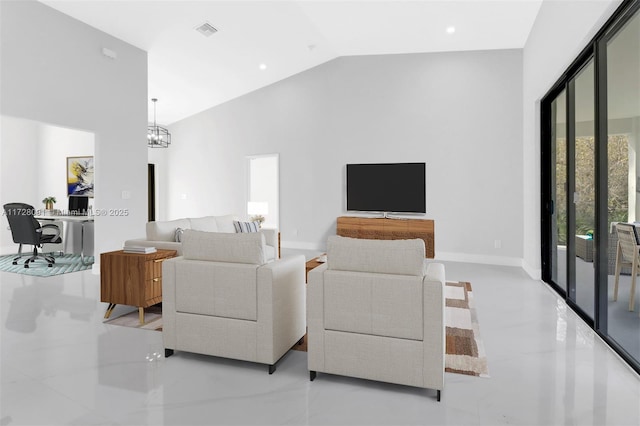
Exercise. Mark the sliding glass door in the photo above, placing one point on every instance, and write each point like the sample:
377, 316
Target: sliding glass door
582, 168
623, 173
558, 194
591, 180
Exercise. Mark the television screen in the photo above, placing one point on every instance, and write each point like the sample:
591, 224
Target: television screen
390, 187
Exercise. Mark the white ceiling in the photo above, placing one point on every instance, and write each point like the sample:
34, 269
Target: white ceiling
189, 73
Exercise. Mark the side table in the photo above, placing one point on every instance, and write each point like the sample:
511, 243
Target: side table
311, 264
584, 248
133, 279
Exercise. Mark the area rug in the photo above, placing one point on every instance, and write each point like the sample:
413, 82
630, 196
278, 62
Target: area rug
464, 348
152, 319
64, 264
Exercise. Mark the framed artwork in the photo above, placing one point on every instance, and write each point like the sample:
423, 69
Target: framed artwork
80, 176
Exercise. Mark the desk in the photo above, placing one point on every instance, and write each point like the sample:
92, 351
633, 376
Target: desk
82, 220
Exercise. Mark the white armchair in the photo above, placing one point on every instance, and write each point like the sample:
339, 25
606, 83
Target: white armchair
375, 310
222, 298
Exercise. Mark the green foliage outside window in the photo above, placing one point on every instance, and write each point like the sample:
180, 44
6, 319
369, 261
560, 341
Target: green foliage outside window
618, 184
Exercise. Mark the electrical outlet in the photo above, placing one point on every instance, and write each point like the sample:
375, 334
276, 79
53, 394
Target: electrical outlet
497, 244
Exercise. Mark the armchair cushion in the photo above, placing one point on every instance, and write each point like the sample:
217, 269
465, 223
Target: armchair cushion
224, 247
217, 289
401, 257
375, 304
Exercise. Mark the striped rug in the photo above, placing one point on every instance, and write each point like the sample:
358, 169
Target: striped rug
464, 348
64, 264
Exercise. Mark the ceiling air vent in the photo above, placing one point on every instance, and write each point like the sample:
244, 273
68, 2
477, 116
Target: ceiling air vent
206, 29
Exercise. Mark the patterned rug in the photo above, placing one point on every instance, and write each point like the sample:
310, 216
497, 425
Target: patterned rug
464, 348
64, 264
465, 351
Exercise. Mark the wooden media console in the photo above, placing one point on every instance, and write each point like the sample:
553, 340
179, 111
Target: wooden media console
388, 229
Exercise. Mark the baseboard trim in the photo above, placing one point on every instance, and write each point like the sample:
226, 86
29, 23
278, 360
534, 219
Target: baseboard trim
479, 258
301, 245
534, 273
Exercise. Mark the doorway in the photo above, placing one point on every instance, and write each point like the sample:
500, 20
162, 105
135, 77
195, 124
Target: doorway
263, 191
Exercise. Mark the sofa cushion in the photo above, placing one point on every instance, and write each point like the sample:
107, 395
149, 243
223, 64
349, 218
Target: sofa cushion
165, 230
400, 257
206, 223
224, 247
225, 223
246, 226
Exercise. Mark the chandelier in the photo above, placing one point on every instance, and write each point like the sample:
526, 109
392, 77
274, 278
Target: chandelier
157, 136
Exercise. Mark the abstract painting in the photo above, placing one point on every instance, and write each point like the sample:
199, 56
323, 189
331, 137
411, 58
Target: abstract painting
80, 176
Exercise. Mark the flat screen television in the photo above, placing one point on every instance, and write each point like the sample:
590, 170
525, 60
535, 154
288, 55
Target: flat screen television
388, 187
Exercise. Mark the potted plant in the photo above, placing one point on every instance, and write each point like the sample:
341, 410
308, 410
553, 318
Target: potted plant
49, 202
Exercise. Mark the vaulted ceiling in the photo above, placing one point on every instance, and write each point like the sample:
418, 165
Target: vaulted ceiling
260, 42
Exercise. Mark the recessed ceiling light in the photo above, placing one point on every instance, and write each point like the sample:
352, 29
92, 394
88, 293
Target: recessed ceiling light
263, 66
451, 30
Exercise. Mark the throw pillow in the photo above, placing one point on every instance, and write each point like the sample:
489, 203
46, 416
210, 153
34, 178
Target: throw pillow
179, 232
246, 226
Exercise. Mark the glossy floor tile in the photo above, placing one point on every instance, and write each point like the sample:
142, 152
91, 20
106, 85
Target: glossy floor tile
61, 365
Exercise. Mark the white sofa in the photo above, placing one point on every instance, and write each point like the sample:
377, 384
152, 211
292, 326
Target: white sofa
223, 298
162, 234
375, 310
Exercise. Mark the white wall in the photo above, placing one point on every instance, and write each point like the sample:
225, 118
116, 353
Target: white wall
561, 30
53, 72
461, 113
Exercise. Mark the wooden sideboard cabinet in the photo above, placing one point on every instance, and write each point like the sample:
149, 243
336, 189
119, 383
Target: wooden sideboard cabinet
133, 279
388, 229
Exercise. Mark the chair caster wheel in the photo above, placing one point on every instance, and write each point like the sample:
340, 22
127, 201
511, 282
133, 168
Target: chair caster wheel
26, 266
50, 265
15, 263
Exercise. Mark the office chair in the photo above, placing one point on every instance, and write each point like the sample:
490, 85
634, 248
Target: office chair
25, 229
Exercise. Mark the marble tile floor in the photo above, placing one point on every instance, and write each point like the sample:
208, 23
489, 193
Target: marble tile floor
61, 365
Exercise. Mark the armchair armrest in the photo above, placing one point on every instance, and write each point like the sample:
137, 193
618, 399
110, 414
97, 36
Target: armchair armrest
51, 226
281, 305
169, 334
271, 239
434, 326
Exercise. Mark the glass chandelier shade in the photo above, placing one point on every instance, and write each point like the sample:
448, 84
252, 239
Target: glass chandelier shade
157, 136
